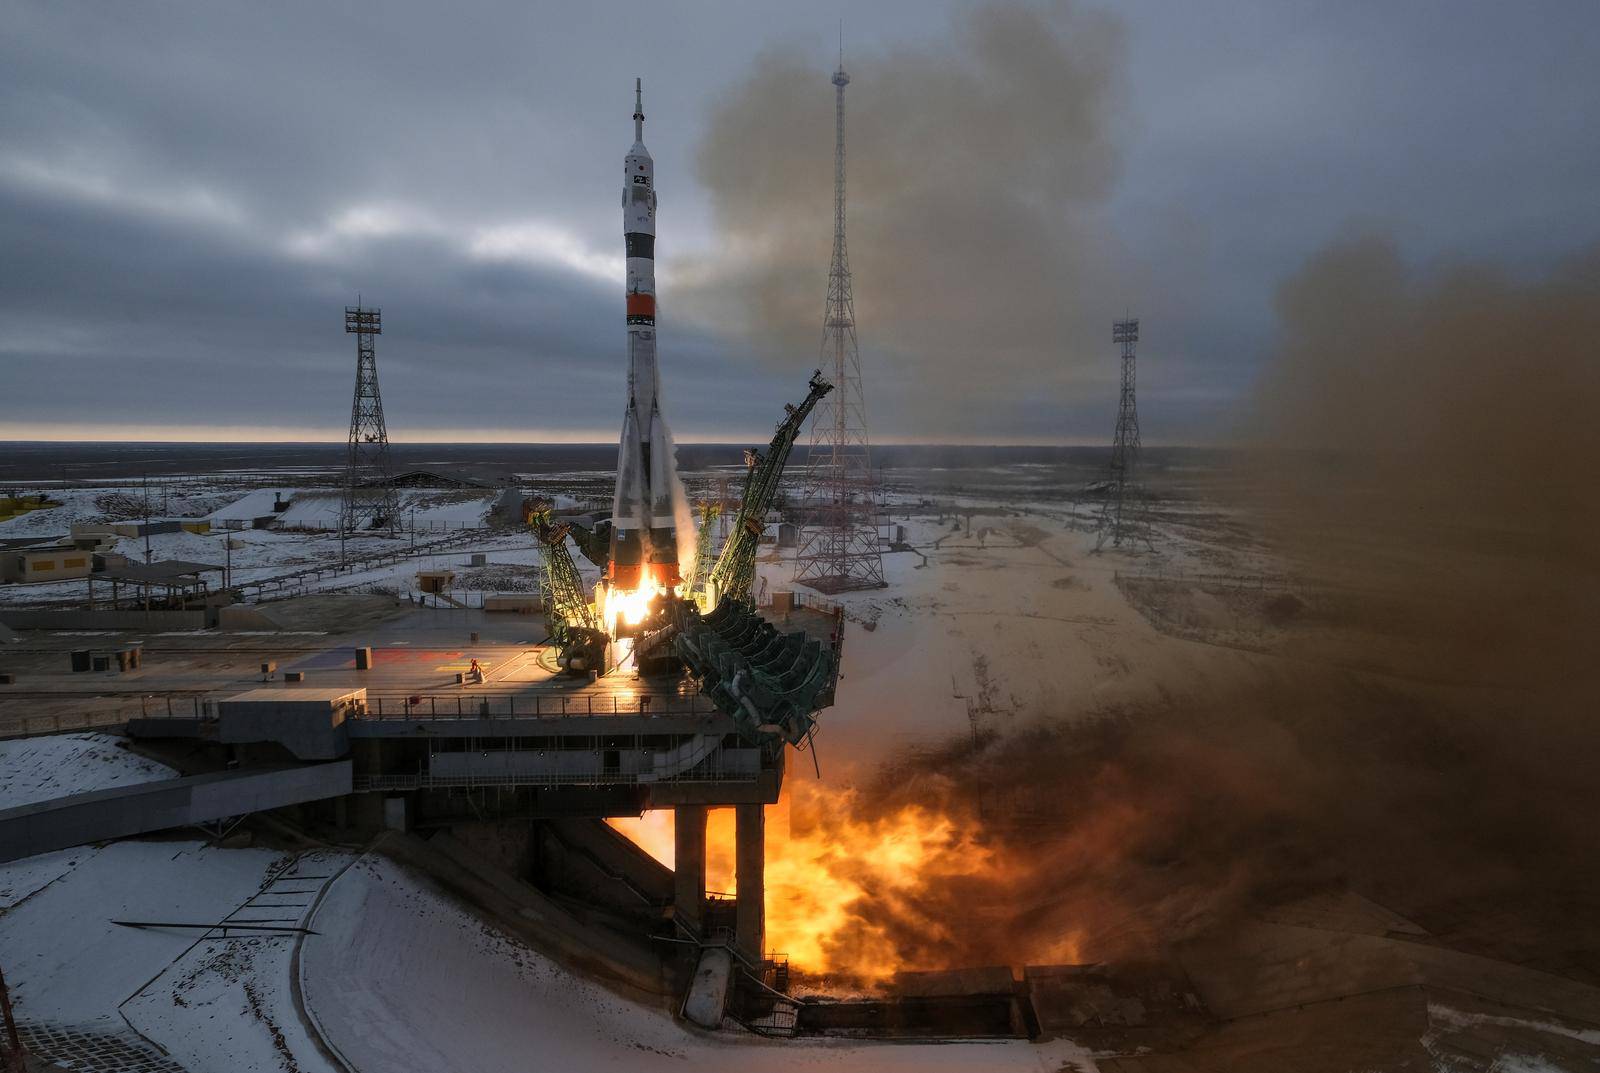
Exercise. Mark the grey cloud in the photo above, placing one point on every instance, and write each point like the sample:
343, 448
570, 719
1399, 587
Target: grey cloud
158, 164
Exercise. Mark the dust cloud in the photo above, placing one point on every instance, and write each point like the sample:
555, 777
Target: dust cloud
1454, 412
1424, 466
976, 161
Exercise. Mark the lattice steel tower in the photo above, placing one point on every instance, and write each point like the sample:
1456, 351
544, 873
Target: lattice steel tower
838, 546
370, 502
1121, 518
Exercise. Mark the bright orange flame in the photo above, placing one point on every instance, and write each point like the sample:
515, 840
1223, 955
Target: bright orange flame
827, 860
629, 607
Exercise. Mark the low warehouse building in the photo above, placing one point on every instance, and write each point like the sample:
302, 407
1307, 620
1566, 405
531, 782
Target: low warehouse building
49, 561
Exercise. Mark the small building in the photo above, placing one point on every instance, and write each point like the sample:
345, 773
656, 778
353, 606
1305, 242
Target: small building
153, 527
43, 560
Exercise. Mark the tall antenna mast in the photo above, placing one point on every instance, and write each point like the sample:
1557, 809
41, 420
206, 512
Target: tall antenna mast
838, 549
370, 501
1121, 518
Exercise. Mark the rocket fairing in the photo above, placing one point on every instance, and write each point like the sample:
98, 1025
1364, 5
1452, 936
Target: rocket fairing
644, 539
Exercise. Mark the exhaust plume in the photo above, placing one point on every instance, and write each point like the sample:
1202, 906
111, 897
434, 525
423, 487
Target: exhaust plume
1426, 465
975, 164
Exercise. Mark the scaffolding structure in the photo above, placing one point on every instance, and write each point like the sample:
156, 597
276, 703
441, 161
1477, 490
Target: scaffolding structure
1122, 518
838, 548
370, 501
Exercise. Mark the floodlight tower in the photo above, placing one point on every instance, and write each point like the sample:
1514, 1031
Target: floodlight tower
838, 547
1120, 517
370, 501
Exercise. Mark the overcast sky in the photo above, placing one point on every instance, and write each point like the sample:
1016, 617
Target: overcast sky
190, 193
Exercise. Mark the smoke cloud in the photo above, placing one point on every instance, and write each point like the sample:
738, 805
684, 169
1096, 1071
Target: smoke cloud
1454, 409
1425, 465
976, 163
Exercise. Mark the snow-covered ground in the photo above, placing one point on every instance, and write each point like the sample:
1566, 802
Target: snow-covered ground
400, 977
38, 769
1003, 623
396, 977
206, 1001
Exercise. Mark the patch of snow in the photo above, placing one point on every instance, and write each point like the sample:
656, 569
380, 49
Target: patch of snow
401, 977
56, 765
233, 998
1457, 1019
66, 963
23, 879
256, 504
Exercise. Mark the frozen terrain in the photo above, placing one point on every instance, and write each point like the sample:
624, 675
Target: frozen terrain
202, 999
38, 769
400, 977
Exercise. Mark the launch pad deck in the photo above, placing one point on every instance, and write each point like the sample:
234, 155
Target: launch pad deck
415, 654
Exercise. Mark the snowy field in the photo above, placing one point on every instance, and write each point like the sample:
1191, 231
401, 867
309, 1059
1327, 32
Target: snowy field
39, 769
201, 999
399, 977
304, 537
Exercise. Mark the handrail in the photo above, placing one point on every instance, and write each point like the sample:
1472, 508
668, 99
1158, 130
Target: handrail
402, 707
532, 705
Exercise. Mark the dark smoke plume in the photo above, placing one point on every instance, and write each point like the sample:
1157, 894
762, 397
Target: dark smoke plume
1425, 465
974, 167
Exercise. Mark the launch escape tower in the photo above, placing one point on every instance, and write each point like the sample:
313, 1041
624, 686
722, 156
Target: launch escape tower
838, 546
1121, 518
369, 502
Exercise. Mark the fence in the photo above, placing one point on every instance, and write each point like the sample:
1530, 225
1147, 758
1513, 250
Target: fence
33, 726
425, 781
282, 586
63, 619
533, 705
404, 708
817, 603
409, 525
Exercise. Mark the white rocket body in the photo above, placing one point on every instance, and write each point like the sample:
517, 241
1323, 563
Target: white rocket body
644, 540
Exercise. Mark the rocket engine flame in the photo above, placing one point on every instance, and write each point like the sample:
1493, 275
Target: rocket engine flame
828, 858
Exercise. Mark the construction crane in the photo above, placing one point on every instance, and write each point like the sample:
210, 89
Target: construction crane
575, 625
734, 573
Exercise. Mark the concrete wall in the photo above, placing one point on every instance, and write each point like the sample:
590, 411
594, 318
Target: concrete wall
157, 806
103, 620
309, 723
244, 617
586, 859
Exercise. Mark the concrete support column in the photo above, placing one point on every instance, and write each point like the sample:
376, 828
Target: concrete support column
750, 863
689, 866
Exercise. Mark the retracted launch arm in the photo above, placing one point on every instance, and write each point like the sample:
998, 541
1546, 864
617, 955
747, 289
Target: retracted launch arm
569, 608
734, 574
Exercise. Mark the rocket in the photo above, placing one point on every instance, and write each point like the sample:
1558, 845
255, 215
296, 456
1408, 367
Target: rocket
644, 539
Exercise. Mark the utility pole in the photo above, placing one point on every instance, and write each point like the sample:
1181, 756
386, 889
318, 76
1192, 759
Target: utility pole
147, 520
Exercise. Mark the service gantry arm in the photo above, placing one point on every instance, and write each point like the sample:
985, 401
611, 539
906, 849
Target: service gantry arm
569, 607
735, 571
709, 510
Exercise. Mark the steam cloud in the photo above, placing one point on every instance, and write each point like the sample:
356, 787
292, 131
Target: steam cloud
974, 167
1434, 747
